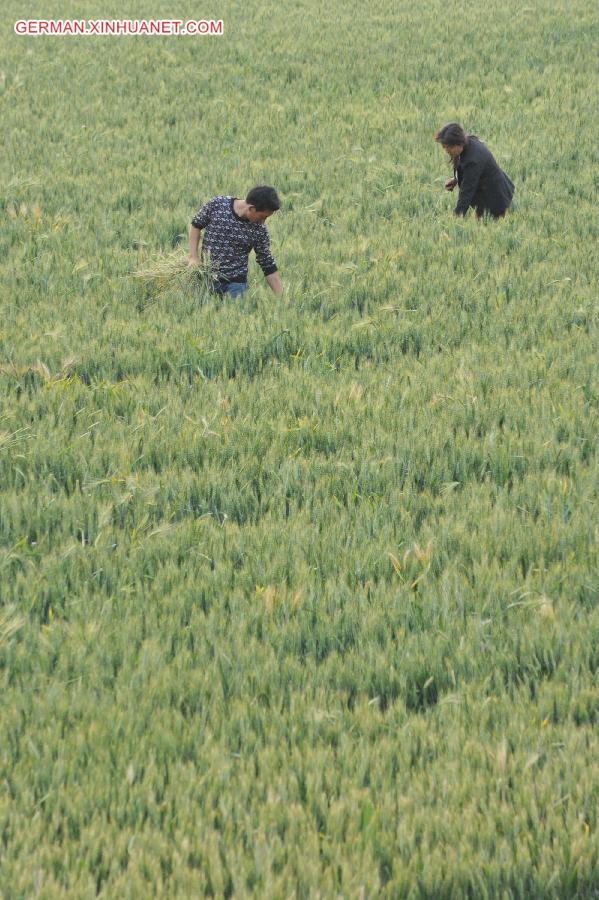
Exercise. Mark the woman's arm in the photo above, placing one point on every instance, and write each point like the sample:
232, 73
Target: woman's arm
471, 172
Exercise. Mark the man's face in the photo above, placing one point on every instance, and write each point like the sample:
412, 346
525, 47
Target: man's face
453, 150
253, 215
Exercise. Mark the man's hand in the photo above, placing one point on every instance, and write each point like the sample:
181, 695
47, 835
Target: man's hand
449, 185
194, 240
274, 283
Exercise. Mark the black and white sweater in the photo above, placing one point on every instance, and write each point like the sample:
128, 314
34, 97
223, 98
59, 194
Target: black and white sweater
229, 239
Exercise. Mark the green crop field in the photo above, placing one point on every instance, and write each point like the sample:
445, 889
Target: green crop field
299, 598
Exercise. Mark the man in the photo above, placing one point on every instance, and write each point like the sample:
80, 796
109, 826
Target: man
232, 229
482, 183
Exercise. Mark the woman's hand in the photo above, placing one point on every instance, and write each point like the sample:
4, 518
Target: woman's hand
449, 185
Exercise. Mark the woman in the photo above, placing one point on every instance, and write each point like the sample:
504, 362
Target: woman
482, 183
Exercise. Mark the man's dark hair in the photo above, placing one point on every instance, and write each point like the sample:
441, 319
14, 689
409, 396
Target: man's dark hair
263, 198
452, 135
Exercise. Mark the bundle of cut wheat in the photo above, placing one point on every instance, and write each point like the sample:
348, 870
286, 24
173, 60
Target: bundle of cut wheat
167, 272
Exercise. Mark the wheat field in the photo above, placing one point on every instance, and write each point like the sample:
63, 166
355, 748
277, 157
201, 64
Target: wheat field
299, 597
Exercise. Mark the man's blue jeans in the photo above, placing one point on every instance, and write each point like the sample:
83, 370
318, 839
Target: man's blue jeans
233, 289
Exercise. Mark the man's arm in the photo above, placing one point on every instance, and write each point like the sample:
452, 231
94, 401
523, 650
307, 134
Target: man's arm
200, 220
194, 240
266, 262
274, 282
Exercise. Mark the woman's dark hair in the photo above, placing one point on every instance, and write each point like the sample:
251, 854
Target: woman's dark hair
452, 135
263, 198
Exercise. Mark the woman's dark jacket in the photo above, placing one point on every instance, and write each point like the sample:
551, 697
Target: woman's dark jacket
482, 183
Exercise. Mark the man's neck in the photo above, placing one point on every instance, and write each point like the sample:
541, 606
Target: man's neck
240, 207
